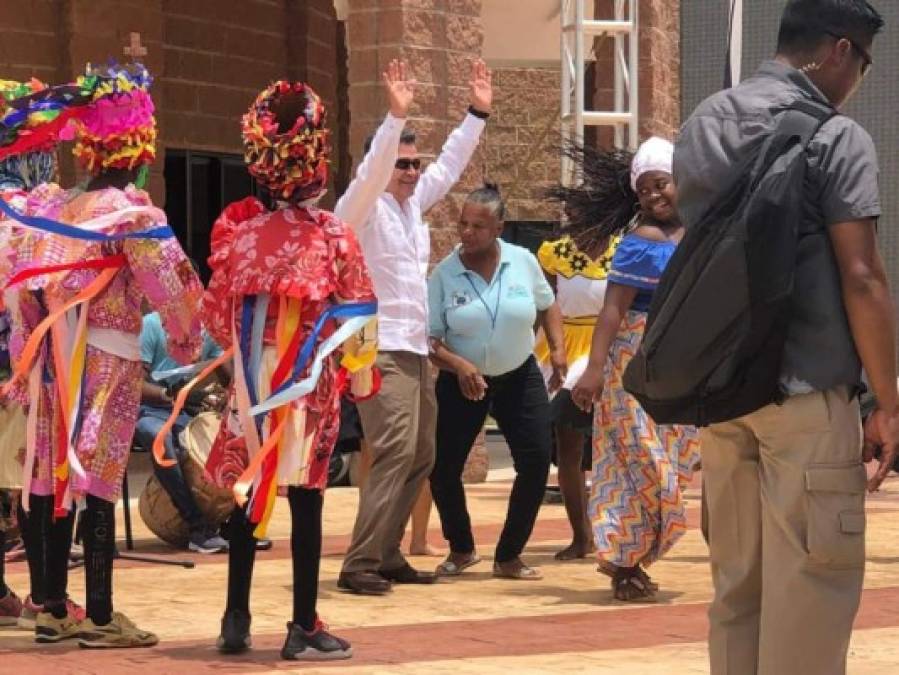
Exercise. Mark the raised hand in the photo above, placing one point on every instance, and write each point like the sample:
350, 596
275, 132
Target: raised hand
400, 89
481, 87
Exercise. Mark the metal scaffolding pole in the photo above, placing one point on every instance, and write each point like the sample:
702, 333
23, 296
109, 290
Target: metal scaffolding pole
576, 28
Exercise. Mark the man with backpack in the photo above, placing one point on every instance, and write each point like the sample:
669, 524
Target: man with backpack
783, 474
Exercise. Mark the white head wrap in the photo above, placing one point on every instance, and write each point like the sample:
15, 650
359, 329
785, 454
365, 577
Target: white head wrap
656, 154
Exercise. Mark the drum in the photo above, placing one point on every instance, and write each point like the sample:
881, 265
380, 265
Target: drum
216, 504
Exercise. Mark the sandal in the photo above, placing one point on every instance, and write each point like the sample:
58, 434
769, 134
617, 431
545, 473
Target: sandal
450, 568
628, 585
610, 570
523, 573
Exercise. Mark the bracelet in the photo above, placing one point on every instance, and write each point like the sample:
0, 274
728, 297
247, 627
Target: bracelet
480, 114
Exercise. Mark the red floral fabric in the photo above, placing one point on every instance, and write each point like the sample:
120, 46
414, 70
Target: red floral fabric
303, 253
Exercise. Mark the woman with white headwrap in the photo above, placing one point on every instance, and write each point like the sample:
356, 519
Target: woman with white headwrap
635, 506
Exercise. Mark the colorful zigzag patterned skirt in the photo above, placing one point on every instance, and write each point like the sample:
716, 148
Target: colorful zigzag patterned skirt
636, 505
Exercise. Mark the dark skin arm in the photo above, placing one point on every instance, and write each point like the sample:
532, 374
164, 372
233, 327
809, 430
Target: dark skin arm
617, 302
153, 394
550, 320
157, 395
866, 295
471, 382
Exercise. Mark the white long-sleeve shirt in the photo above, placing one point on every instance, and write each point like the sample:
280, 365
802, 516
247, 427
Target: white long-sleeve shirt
394, 238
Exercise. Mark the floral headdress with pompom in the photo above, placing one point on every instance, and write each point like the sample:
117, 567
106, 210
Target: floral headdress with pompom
293, 164
33, 114
118, 130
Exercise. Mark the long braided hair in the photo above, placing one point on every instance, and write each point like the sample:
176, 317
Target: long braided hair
603, 204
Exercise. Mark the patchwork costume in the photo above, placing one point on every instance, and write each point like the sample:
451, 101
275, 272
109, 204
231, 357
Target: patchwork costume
81, 274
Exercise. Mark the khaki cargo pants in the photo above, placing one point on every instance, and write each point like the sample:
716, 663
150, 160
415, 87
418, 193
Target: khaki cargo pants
785, 496
399, 424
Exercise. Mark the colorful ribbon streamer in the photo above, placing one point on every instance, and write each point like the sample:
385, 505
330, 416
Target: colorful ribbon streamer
84, 233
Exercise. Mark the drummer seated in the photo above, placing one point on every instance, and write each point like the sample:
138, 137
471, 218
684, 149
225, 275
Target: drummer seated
155, 408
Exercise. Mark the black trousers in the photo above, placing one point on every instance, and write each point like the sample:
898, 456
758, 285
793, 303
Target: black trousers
519, 404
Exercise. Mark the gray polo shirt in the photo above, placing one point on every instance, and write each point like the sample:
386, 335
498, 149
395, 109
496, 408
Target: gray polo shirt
840, 186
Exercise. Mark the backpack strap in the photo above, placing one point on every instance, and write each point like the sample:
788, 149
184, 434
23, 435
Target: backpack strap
798, 122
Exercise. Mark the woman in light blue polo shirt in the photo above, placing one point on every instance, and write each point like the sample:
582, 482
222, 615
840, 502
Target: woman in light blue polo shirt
485, 299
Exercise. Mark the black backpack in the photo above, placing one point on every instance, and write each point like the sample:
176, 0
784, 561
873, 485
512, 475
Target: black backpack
718, 321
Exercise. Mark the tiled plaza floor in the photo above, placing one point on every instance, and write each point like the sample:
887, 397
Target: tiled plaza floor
566, 623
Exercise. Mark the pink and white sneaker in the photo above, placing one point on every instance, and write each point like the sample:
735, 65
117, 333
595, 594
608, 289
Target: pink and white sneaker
30, 610
10, 609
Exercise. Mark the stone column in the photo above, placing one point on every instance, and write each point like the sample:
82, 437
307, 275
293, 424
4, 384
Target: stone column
438, 38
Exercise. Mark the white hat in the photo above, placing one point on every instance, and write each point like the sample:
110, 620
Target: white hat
656, 154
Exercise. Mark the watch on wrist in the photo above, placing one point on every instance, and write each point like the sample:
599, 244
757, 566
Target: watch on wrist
480, 114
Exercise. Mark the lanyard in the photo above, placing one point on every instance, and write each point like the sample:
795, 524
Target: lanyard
495, 313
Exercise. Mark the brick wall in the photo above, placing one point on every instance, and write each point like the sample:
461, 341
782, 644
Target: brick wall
209, 57
522, 139
28, 46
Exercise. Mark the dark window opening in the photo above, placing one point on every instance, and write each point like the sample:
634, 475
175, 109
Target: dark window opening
529, 233
198, 186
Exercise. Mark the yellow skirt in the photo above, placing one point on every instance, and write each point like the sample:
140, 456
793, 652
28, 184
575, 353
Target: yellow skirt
578, 335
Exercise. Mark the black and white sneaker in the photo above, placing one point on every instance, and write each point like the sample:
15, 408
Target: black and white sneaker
319, 645
206, 542
235, 636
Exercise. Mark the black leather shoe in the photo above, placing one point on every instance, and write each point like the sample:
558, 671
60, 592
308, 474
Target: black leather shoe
408, 575
364, 583
235, 637
319, 645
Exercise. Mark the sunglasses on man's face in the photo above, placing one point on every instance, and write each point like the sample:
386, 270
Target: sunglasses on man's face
867, 59
405, 164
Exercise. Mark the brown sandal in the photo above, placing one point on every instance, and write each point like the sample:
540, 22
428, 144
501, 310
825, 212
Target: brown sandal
628, 585
610, 570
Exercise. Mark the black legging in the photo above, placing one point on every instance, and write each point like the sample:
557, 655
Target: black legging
305, 548
98, 533
48, 542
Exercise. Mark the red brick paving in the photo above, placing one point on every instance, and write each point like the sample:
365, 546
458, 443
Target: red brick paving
632, 627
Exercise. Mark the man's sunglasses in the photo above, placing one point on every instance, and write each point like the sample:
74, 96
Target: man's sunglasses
405, 164
866, 56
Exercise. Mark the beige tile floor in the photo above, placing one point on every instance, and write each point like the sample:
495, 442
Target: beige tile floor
566, 623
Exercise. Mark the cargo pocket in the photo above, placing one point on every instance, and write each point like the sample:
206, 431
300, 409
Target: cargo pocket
836, 515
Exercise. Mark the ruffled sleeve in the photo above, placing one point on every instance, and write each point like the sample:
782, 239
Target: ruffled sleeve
217, 299
546, 255
639, 262
168, 281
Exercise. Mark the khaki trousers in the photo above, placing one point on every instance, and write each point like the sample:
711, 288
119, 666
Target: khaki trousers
399, 426
785, 495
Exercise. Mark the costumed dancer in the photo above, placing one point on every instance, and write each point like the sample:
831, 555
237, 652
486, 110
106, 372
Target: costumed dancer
31, 117
281, 281
94, 257
639, 468
577, 265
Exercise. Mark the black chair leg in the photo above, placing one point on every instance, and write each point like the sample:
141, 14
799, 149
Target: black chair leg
126, 504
